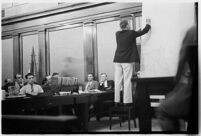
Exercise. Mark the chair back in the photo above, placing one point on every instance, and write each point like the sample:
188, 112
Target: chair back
64, 84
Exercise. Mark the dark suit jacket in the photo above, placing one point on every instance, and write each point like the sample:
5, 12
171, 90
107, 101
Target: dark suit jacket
110, 85
126, 51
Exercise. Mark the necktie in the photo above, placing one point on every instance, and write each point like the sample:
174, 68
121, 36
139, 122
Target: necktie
88, 86
32, 89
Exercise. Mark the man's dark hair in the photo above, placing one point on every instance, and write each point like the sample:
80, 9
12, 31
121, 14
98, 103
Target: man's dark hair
123, 24
55, 73
16, 75
91, 74
29, 74
6, 80
104, 74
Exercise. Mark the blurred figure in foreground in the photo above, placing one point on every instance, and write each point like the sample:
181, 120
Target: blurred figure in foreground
182, 101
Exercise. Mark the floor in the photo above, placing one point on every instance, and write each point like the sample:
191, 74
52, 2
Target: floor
103, 125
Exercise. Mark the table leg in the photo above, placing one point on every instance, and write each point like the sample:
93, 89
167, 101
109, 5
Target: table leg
143, 108
60, 109
83, 115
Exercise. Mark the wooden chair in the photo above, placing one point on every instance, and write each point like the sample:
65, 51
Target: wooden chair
104, 103
122, 112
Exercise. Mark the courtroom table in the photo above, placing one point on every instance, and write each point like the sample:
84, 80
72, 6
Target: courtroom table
144, 88
16, 105
79, 102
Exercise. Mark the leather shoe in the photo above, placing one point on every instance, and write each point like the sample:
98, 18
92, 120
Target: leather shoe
117, 104
128, 104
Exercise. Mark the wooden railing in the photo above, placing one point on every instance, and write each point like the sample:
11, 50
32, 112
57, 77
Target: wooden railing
145, 89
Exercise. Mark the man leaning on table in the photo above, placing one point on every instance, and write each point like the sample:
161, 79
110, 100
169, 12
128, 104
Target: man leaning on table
31, 88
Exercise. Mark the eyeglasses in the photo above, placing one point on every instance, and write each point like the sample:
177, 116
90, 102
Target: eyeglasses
19, 77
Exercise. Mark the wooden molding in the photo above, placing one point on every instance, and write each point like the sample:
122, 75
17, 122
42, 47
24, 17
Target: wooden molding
16, 54
51, 11
42, 55
62, 19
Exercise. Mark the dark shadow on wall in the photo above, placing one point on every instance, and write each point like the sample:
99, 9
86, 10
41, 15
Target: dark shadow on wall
73, 67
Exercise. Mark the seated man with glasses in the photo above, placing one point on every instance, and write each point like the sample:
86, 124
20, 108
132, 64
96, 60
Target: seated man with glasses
105, 84
31, 88
19, 82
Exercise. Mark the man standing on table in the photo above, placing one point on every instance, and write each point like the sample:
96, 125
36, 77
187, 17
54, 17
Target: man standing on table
125, 56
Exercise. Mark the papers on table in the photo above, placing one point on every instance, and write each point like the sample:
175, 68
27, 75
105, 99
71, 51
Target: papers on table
15, 96
90, 91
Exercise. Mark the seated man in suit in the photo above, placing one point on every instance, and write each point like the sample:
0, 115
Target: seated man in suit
31, 88
91, 85
7, 82
104, 83
46, 83
12, 90
19, 82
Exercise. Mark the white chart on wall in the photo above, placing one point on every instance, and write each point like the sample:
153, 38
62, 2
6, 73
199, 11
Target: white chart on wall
160, 47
